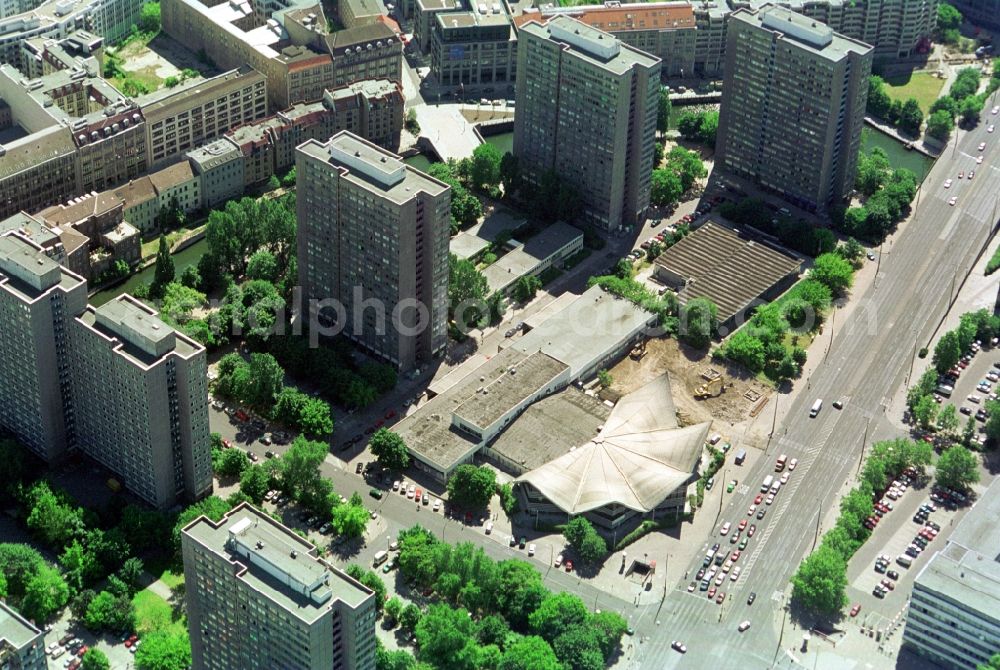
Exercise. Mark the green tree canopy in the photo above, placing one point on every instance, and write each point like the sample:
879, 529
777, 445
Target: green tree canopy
820, 584
948, 18
833, 271
911, 117
95, 659
163, 650
45, 594
947, 351
530, 653
663, 110
879, 102
350, 520
446, 638
485, 172
665, 187
110, 612
699, 320
873, 169
940, 124
389, 450
558, 612
466, 286
957, 468
472, 487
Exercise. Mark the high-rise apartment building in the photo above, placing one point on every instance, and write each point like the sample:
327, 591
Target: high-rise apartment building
793, 106
954, 614
373, 248
586, 109
38, 299
140, 395
22, 645
259, 597
980, 12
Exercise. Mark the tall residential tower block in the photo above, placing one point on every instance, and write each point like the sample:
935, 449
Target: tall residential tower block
373, 248
586, 110
793, 106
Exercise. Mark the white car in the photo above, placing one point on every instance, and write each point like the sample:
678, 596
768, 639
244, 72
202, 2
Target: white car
990, 128
489, 528
735, 574
437, 504
996, 110
792, 463
395, 485
982, 146
952, 200
947, 183
410, 491
721, 578
979, 160
531, 549
559, 560
784, 478
725, 529
743, 626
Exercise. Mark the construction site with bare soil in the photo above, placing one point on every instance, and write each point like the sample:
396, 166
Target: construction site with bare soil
702, 389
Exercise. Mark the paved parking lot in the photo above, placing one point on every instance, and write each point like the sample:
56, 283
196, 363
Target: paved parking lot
980, 365
118, 655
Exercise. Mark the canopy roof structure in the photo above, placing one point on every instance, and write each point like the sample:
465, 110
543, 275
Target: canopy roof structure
637, 460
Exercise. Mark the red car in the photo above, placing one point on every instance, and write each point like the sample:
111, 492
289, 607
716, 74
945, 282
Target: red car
391, 413
752, 530
759, 499
743, 524
735, 556
569, 566
82, 650
855, 610
711, 592
719, 598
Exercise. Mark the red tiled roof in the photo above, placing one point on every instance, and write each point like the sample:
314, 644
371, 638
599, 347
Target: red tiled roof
617, 19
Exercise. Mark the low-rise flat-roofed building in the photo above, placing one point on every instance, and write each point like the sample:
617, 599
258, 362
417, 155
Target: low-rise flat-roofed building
140, 401
360, 12
44, 55
38, 298
219, 165
549, 247
734, 270
373, 238
371, 51
586, 109
954, 612
640, 462
22, 645
258, 595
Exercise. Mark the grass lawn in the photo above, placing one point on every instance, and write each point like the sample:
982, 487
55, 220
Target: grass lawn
154, 613
923, 86
150, 247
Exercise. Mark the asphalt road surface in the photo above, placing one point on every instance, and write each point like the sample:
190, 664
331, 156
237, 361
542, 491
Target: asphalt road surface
867, 362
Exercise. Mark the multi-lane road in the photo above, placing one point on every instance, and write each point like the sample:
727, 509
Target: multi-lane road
868, 361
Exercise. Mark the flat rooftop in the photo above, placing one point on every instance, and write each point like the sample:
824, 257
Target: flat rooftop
465, 245
726, 266
277, 563
590, 44
809, 34
144, 338
585, 330
156, 106
527, 257
624, 18
428, 432
967, 570
497, 396
15, 630
28, 273
373, 168
552, 427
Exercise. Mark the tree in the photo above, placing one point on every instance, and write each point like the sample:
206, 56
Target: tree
966, 83
911, 117
393, 660
948, 18
109, 612
44, 594
925, 411
699, 320
957, 468
300, 473
212, 507
263, 265
605, 378
472, 487
529, 653
940, 124
663, 110
687, 164
879, 102
947, 351
389, 450
510, 173
149, 17
873, 169
493, 629
947, 420
969, 109
688, 124
80, 565
350, 520
526, 287
858, 502
709, 127
267, 379
820, 584
834, 271
745, 349
665, 187
624, 269
233, 463
19, 563
445, 638
579, 649
585, 540
485, 171
164, 650
315, 419
393, 608
95, 659
53, 519
467, 286
255, 482
558, 612
410, 617
163, 272
993, 664
653, 251
610, 626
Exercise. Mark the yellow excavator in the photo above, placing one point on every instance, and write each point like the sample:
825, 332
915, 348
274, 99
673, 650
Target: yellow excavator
710, 389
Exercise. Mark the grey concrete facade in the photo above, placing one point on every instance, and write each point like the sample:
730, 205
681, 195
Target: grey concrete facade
793, 107
586, 109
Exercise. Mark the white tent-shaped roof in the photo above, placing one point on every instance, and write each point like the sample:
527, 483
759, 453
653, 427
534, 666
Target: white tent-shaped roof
638, 459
